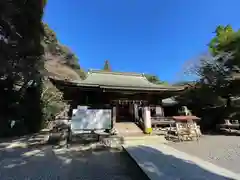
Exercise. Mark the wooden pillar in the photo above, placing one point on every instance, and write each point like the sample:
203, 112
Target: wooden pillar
147, 120
114, 115
136, 115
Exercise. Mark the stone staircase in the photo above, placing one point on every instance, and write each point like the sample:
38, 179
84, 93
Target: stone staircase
130, 133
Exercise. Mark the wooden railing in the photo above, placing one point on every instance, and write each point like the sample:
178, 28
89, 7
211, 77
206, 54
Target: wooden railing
159, 122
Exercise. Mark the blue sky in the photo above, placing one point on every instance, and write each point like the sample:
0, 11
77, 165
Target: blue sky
155, 36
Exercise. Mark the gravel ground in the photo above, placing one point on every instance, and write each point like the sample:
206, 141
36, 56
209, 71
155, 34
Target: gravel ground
221, 150
17, 162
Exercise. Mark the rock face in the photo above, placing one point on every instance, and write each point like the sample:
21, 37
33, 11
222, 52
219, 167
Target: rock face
56, 67
59, 63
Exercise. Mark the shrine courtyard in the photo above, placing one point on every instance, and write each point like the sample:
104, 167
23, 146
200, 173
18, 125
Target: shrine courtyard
221, 150
18, 161
212, 157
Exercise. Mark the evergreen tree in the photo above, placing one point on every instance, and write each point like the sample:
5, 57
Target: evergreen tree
21, 63
107, 66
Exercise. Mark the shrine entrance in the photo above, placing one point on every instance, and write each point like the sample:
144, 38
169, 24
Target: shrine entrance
123, 113
126, 116
127, 110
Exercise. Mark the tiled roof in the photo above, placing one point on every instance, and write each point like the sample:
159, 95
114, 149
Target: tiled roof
119, 80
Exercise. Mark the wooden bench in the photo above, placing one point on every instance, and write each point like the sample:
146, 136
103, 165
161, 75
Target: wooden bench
234, 125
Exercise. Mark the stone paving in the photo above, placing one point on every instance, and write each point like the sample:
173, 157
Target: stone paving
18, 161
221, 150
160, 161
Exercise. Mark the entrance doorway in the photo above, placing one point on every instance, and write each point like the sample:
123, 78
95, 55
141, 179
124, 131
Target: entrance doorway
124, 113
125, 120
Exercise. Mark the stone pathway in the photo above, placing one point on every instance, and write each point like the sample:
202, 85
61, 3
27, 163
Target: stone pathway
160, 161
127, 128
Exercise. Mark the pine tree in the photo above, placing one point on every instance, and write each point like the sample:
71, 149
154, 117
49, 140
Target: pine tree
107, 66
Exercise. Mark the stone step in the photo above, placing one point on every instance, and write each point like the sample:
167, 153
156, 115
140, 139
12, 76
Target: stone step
143, 142
141, 136
150, 139
144, 137
112, 141
117, 141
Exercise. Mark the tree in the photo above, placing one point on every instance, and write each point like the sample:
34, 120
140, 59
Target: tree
225, 49
154, 79
49, 36
55, 48
226, 40
223, 36
107, 66
215, 69
52, 100
21, 60
214, 86
52, 97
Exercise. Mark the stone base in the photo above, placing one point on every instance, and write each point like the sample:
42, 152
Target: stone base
112, 141
148, 130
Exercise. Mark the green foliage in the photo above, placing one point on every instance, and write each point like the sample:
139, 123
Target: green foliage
215, 69
226, 41
53, 46
154, 79
51, 97
20, 53
44, 2
185, 83
223, 36
225, 48
52, 100
50, 37
107, 66
215, 85
81, 73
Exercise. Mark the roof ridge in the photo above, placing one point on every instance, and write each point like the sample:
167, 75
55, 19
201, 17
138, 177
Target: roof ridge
116, 73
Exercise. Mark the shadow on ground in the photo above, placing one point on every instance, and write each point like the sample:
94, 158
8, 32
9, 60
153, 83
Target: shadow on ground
28, 158
223, 132
168, 167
